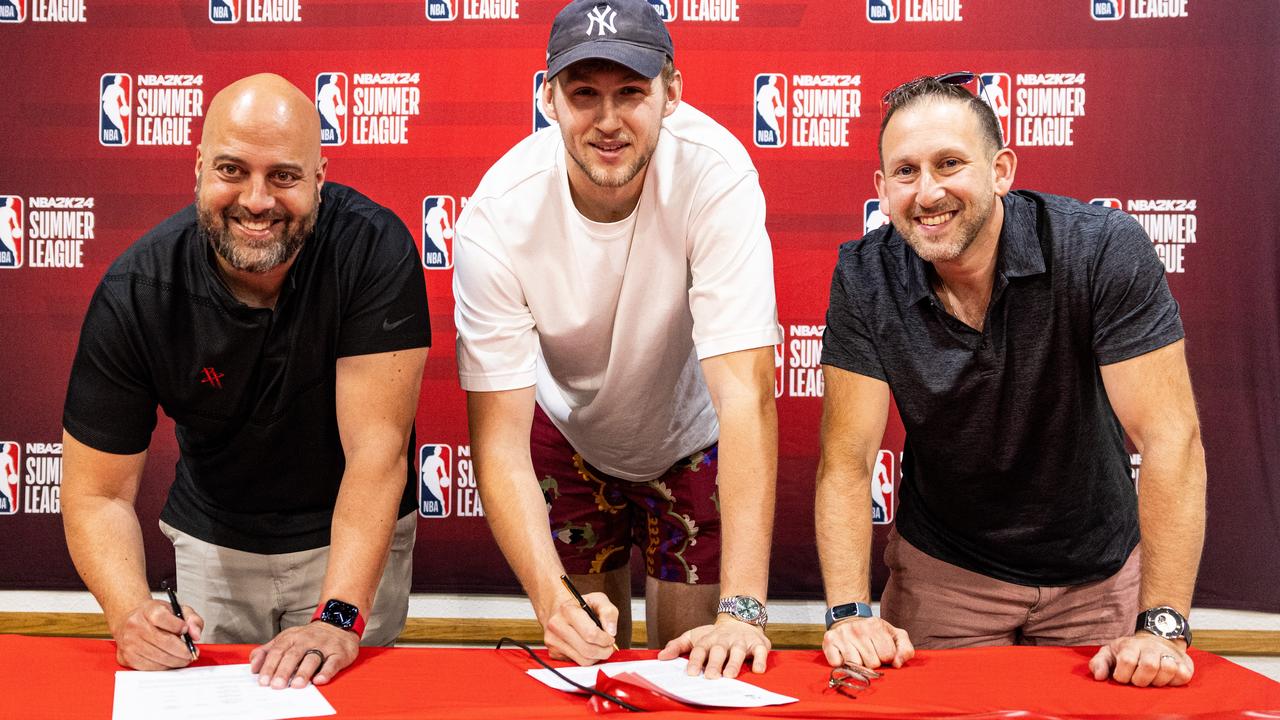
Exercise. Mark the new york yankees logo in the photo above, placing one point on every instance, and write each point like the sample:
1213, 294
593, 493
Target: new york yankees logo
602, 16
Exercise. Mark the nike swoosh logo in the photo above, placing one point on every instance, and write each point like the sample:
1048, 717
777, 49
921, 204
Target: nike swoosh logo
389, 326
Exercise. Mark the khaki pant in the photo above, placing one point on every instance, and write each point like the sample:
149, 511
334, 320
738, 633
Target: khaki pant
944, 606
249, 598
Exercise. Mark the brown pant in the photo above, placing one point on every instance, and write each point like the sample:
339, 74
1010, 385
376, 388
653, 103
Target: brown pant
944, 606
249, 598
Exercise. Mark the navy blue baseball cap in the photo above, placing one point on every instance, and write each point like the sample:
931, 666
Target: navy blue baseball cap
628, 32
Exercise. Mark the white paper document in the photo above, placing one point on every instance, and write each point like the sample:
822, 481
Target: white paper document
669, 675
210, 693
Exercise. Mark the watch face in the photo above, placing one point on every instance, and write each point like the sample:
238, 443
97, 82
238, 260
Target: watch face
1168, 624
339, 613
747, 608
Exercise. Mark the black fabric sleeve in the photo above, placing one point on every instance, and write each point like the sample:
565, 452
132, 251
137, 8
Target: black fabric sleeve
111, 402
386, 309
847, 343
1133, 310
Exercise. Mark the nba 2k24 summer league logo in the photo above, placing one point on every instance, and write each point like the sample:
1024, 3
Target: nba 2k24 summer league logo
1170, 223
161, 114
50, 234
438, 214
51, 11
802, 361
446, 10
447, 486
889, 11
40, 491
884, 481
227, 12
379, 110
816, 112
1138, 9
1036, 109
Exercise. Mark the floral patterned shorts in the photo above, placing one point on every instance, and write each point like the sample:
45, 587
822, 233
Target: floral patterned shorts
596, 518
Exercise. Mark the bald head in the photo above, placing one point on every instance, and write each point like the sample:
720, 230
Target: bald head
259, 173
264, 105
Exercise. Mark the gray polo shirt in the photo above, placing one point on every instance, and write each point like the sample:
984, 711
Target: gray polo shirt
1014, 464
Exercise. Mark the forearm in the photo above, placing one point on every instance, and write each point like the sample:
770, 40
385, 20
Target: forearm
1171, 514
842, 521
364, 519
114, 571
748, 471
517, 515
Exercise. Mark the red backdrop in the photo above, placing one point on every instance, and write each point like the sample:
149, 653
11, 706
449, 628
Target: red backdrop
1166, 108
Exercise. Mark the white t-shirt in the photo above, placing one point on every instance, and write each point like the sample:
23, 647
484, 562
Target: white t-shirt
609, 320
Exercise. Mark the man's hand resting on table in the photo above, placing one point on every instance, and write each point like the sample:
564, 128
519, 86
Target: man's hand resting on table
721, 649
1144, 660
284, 661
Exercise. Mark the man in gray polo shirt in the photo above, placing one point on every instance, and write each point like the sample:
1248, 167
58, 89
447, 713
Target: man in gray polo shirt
1021, 335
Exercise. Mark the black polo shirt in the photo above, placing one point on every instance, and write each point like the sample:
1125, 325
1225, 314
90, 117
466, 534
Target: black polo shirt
250, 390
1014, 464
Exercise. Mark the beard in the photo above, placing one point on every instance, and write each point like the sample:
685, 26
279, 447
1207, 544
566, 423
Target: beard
969, 222
613, 177
255, 256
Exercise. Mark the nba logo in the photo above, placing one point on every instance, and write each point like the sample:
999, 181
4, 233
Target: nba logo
872, 218
882, 11
666, 9
996, 90
115, 105
10, 231
770, 125
540, 119
441, 10
331, 103
437, 232
1106, 9
9, 464
1113, 203
435, 480
882, 484
224, 12
779, 365
13, 11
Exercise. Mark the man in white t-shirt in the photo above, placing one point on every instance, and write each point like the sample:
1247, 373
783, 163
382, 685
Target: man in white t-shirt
616, 317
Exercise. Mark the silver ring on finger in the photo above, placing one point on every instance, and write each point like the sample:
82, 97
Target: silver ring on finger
1169, 657
318, 653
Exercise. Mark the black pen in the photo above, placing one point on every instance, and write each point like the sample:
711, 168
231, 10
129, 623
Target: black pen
583, 604
177, 610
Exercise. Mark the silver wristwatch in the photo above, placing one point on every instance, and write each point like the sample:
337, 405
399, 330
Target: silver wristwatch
745, 608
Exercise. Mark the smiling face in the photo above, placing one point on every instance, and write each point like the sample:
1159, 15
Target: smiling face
941, 178
610, 118
259, 173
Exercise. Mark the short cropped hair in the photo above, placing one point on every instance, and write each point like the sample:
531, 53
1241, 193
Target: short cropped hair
928, 88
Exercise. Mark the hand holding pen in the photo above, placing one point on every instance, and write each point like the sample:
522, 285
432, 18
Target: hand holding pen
150, 636
579, 628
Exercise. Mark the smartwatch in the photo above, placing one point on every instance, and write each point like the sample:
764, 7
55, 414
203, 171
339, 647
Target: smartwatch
1165, 622
341, 615
848, 610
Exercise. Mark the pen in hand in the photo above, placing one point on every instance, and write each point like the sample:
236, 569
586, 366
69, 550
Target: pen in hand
177, 610
583, 604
